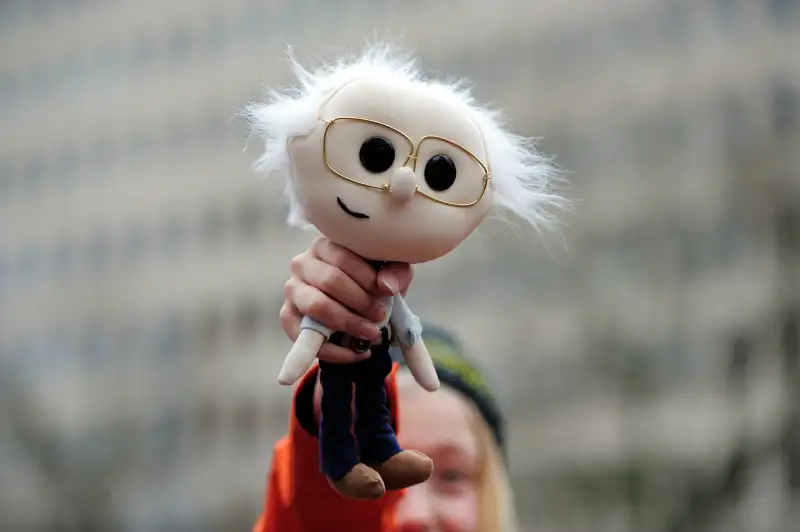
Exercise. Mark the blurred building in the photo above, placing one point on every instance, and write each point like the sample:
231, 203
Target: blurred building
142, 264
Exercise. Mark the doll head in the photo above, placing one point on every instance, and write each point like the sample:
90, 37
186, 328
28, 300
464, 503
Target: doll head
391, 165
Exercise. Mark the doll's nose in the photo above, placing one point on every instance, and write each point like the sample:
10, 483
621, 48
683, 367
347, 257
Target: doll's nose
403, 184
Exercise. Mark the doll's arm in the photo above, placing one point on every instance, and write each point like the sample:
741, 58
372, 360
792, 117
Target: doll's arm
312, 335
406, 325
310, 323
408, 331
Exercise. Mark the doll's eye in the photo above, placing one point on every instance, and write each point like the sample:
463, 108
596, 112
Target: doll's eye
440, 173
377, 155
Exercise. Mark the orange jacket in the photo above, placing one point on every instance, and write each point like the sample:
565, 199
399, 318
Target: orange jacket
299, 498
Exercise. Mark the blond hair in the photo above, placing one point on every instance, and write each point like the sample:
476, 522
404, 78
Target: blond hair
496, 509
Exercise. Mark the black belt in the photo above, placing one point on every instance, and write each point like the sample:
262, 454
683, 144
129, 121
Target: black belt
359, 345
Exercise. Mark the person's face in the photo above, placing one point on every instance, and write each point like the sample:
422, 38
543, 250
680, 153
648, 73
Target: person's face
367, 174
439, 425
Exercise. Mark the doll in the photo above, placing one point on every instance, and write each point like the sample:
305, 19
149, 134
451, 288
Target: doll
394, 167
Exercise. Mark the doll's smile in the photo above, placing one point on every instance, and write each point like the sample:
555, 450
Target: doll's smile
359, 215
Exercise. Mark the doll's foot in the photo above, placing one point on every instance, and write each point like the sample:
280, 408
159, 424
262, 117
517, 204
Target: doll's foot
362, 482
405, 469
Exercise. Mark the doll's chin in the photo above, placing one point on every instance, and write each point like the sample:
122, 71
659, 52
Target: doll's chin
375, 239
396, 250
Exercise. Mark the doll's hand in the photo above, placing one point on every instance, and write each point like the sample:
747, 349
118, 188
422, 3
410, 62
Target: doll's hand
342, 291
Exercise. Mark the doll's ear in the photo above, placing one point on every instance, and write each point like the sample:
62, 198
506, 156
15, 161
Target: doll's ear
303, 146
292, 147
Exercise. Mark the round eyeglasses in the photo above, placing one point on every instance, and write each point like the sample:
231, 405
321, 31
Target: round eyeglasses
445, 171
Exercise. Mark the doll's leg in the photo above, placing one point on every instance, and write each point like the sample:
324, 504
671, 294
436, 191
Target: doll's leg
374, 432
376, 438
338, 450
338, 455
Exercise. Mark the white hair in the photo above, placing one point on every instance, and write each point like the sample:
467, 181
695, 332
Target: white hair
522, 179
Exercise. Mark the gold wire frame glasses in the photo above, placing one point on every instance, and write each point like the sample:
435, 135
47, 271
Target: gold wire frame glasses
473, 175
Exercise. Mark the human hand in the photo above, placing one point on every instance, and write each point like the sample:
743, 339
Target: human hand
342, 291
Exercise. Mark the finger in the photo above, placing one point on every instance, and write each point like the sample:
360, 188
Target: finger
348, 262
394, 278
290, 322
312, 302
337, 285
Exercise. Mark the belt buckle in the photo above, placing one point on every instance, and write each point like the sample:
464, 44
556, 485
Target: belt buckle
358, 345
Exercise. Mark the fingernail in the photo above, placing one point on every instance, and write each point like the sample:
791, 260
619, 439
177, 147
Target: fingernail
363, 356
390, 285
368, 331
379, 310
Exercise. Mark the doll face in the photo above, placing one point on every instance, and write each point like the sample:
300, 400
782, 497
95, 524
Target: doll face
392, 174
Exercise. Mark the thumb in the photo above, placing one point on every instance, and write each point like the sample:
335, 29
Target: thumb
394, 278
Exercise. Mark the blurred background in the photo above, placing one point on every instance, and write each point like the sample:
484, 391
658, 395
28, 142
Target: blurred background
650, 370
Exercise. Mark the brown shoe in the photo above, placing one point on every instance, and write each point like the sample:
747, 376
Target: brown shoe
405, 469
362, 482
